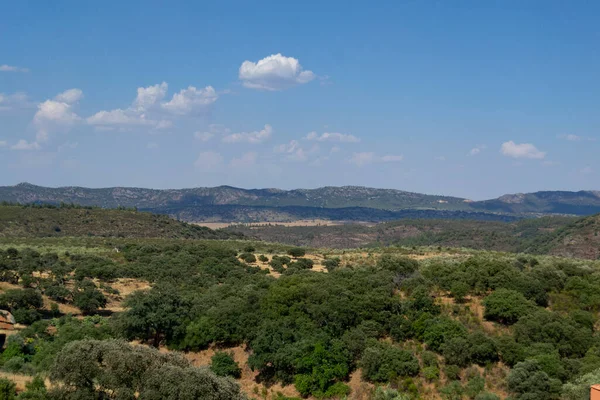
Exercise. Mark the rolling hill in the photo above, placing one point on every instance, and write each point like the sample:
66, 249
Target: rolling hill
346, 203
18, 221
579, 239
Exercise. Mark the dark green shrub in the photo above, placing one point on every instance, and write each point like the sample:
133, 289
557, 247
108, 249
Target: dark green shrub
296, 252
223, 364
506, 306
383, 363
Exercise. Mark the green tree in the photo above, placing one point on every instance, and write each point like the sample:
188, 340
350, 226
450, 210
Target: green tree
296, 252
527, 381
506, 306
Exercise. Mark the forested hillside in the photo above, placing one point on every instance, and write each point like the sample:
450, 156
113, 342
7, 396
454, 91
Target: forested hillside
42, 221
515, 236
579, 239
268, 322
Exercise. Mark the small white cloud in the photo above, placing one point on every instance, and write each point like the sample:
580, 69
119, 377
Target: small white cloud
152, 145
521, 150
12, 68
440, 158
24, 145
586, 170
208, 160
191, 101
3, 143
477, 149
249, 137
332, 137
275, 72
392, 158
334, 149
576, 138
69, 96
245, 161
291, 147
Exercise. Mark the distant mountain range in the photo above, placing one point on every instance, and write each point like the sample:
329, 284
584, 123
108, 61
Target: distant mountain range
230, 204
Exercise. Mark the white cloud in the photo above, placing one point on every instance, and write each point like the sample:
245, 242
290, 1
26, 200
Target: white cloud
275, 72
332, 137
245, 161
12, 68
57, 113
3, 143
477, 149
363, 158
208, 160
147, 97
13, 101
249, 137
440, 158
213, 130
586, 170
294, 151
152, 145
69, 96
191, 101
521, 150
392, 158
24, 145
146, 108
120, 117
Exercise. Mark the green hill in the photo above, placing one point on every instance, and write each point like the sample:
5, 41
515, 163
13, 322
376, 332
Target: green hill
580, 239
21, 221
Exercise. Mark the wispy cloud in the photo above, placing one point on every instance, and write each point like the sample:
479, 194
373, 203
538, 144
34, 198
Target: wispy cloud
12, 68
521, 150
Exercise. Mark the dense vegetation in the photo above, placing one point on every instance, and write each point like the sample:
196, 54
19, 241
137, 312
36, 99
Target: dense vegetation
527, 235
478, 325
69, 220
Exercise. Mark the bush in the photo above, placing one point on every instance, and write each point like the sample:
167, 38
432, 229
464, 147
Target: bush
248, 257
223, 364
384, 362
263, 258
88, 299
331, 263
459, 290
506, 306
487, 396
528, 381
296, 252
8, 389
249, 249
452, 372
431, 373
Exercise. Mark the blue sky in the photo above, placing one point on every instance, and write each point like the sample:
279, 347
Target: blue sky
466, 98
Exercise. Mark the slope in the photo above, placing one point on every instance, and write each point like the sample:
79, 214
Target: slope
20, 221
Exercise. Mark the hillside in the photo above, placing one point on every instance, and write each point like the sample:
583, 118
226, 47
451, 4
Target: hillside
547, 202
18, 221
515, 236
580, 239
328, 197
346, 203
